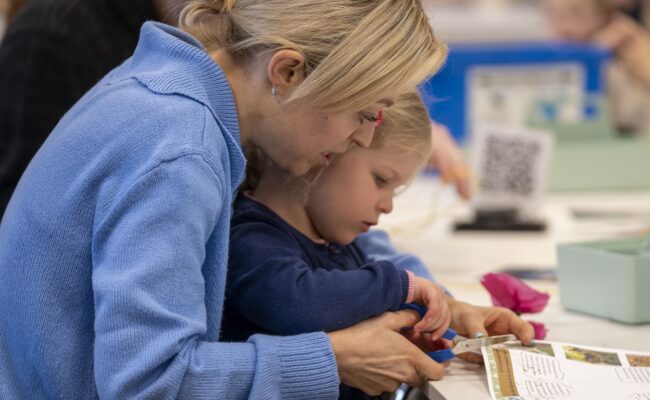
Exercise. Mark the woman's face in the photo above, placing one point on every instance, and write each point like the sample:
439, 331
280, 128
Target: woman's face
296, 135
301, 137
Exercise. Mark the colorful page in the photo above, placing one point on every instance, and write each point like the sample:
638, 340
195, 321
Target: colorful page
562, 371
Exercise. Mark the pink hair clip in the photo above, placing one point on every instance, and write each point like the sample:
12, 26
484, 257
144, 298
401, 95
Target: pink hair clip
380, 119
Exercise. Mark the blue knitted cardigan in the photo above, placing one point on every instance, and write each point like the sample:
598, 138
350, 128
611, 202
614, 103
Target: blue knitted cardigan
114, 246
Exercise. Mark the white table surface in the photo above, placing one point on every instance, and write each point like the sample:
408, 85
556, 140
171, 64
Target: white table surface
458, 260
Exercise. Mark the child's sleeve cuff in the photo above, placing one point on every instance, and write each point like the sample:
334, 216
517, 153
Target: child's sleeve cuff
410, 289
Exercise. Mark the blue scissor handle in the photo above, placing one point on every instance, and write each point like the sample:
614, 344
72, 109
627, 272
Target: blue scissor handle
450, 334
414, 306
439, 356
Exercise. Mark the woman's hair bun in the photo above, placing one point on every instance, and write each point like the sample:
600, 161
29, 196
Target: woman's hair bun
224, 6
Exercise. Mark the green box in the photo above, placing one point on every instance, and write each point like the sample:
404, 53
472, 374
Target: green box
601, 164
592, 156
608, 279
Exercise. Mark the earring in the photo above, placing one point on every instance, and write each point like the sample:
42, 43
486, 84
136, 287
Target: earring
274, 93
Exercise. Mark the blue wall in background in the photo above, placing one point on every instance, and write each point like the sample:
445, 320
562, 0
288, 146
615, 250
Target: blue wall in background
446, 94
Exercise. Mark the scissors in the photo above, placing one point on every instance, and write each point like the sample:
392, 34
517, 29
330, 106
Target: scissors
461, 343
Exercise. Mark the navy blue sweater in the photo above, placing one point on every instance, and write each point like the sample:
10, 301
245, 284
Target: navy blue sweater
282, 282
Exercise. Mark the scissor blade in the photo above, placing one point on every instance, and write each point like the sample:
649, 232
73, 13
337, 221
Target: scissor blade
474, 345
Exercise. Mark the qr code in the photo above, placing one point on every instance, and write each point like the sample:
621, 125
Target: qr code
509, 165
512, 165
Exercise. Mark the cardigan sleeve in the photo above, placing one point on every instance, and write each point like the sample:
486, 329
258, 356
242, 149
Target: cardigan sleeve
150, 314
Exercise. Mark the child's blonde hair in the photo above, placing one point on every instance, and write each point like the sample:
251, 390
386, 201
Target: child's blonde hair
406, 125
357, 52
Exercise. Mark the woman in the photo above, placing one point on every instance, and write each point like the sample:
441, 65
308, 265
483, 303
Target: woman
113, 248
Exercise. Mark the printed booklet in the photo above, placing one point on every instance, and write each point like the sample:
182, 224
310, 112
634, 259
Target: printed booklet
562, 371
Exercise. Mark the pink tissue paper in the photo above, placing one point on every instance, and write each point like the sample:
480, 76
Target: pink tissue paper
510, 292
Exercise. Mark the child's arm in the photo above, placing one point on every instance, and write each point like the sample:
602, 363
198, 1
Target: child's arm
272, 284
376, 246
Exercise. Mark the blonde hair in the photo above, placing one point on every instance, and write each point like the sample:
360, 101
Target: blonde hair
406, 125
357, 52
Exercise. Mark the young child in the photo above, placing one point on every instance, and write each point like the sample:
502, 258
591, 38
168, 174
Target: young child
627, 81
294, 264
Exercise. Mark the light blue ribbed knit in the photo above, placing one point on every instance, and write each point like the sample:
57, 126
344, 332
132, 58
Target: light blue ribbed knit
378, 246
113, 248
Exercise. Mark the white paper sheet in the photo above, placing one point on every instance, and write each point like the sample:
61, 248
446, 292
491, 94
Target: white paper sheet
562, 371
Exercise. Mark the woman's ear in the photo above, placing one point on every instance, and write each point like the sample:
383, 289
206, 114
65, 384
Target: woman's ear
286, 71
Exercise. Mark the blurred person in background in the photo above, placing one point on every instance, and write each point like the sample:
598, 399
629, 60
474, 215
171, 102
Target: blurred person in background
14, 7
637, 9
3, 17
52, 53
4, 12
603, 22
8, 9
628, 35
450, 162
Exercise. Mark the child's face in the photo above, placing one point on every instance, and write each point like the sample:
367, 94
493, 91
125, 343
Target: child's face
351, 194
575, 20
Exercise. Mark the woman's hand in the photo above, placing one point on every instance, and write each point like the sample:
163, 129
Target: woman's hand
449, 160
470, 320
437, 319
374, 357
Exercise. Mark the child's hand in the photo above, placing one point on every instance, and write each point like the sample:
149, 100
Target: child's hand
437, 318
